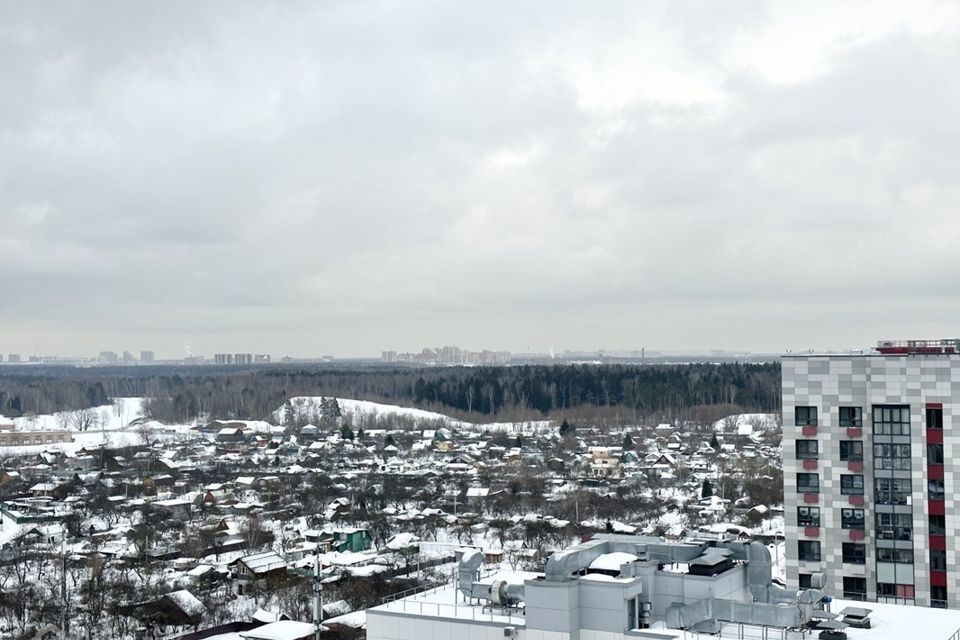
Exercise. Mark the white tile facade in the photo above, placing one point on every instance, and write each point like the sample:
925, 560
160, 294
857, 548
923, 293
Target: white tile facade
829, 382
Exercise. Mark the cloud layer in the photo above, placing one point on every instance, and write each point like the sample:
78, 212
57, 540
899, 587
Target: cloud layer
341, 177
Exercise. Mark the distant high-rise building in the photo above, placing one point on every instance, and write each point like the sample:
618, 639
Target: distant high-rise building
243, 358
388, 356
261, 358
109, 357
223, 358
128, 358
14, 358
146, 357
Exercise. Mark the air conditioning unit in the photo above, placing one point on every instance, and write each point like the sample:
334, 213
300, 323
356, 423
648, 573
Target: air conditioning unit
509, 632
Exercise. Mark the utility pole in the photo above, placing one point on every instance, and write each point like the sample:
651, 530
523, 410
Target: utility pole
63, 586
317, 593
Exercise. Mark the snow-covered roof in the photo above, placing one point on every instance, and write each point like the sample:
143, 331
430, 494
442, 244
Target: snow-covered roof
282, 630
187, 602
612, 561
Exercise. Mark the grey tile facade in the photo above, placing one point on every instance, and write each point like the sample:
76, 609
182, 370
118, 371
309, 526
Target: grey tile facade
870, 382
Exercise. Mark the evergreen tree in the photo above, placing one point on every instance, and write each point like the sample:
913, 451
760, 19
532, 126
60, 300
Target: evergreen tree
389, 442
346, 432
714, 443
567, 429
518, 442
360, 433
628, 442
706, 490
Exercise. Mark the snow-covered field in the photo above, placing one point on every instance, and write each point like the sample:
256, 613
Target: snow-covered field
120, 415
354, 410
746, 423
118, 425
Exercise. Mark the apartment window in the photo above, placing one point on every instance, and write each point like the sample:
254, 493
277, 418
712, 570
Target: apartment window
938, 597
807, 449
938, 525
899, 556
891, 457
805, 416
809, 550
851, 450
808, 516
895, 526
892, 420
851, 417
889, 590
854, 553
938, 560
893, 490
808, 483
851, 484
935, 489
854, 588
851, 518
934, 454
934, 418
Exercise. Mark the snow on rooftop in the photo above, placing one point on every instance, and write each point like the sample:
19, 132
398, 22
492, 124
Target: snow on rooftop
282, 630
187, 602
612, 561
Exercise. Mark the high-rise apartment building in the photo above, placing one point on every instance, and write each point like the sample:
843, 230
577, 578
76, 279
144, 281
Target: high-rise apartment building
147, 357
871, 458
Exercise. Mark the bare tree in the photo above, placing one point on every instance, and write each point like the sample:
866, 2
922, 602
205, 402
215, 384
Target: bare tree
84, 419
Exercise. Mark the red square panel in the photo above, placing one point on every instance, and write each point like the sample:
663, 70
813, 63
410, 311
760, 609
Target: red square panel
811, 532
809, 430
857, 500
938, 578
855, 465
810, 465
938, 543
857, 534
811, 498
934, 405
937, 507
935, 471
854, 432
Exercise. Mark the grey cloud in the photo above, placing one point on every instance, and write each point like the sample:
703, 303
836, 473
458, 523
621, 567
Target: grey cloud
343, 177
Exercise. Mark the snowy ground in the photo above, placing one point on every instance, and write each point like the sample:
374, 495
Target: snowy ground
354, 409
117, 425
747, 423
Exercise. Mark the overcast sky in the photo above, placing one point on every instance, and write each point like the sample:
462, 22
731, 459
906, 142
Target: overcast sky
345, 177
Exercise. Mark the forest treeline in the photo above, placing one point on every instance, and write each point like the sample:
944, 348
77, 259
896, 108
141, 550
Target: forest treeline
478, 393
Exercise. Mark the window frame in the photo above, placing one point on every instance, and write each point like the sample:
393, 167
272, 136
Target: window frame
805, 416
846, 456
807, 444
857, 553
856, 489
808, 520
851, 421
